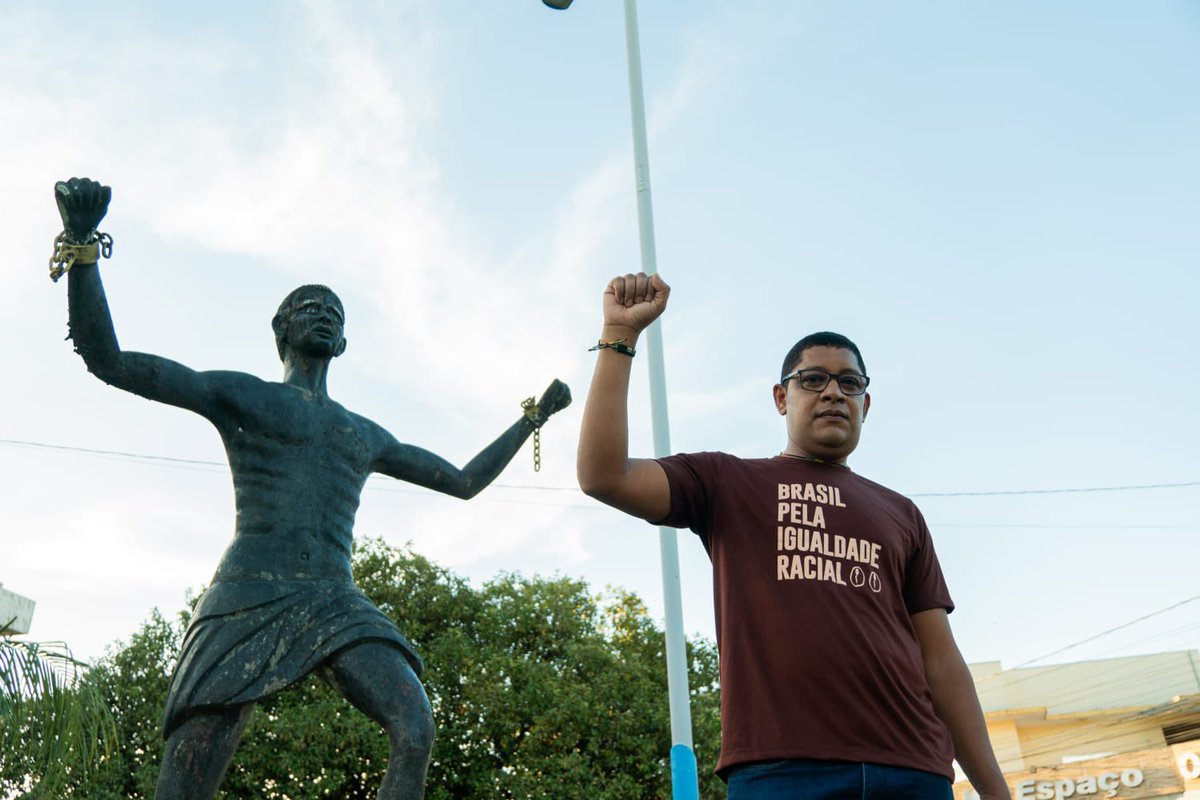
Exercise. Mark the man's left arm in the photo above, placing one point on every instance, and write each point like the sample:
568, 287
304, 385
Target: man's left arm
423, 468
957, 705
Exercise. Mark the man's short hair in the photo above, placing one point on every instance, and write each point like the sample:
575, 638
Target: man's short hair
283, 315
819, 339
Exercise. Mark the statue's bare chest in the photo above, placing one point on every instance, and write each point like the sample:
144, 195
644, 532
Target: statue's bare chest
295, 430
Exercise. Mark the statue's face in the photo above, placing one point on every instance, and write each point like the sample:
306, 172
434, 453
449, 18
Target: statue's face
315, 326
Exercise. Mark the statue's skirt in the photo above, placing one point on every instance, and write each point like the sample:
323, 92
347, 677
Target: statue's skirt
250, 639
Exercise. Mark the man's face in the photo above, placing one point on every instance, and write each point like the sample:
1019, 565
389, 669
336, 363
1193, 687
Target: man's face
824, 424
315, 326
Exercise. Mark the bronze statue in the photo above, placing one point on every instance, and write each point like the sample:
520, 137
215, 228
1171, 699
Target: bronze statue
282, 602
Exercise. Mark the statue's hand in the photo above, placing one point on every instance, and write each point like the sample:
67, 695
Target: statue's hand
556, 397
82, 203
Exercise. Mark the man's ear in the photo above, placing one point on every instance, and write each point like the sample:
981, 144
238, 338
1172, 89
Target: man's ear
780, 394
866, 404
341, 348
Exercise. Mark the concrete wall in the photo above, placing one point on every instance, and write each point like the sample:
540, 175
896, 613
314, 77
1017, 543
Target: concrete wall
17, 609
1086, 687
1053, 743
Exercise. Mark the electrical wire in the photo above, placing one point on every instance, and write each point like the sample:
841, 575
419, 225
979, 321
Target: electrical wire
1002, 492
110, 453
1135, 526
1114, 629
167, 460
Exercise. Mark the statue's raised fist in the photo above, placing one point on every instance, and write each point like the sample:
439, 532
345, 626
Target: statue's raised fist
556, 397
82, 203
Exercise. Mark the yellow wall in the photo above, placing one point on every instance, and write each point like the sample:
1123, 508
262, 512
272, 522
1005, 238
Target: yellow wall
1050, 743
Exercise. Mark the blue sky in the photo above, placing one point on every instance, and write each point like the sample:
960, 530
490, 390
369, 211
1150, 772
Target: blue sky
996, 201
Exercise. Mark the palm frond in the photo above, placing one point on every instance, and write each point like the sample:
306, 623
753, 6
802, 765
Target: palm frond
54, 725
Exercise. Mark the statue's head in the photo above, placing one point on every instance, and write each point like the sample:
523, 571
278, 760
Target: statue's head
310, 321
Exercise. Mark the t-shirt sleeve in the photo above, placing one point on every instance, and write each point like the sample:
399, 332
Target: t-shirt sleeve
691, 477
924, 584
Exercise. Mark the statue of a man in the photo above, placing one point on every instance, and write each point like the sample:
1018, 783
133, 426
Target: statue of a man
282, 602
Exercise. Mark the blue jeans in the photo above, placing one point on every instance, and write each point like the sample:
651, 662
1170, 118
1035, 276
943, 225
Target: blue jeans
834, 780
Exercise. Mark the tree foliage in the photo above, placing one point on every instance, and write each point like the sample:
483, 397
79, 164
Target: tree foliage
539, 689
53, 728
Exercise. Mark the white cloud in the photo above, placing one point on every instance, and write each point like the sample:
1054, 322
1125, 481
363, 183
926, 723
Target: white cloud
328, 177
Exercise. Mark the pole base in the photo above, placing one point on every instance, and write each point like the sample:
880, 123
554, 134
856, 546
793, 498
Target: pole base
685, 785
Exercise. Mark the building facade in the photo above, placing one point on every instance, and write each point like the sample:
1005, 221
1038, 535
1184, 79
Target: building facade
1124, 728
16, 612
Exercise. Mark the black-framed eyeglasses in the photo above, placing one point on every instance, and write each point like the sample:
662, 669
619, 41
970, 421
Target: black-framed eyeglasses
815, 379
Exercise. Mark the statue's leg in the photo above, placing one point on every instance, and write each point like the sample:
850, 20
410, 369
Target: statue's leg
198, 752
379, 681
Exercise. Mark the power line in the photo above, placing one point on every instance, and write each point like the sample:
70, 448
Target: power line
1114, 629
220, 466
1052, 526
1130, 488
110, 453
168, 460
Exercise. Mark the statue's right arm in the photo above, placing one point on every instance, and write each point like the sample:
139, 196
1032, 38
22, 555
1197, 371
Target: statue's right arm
603, 466
152, 377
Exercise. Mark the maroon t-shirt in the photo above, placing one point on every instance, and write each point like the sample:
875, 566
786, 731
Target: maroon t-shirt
815, 573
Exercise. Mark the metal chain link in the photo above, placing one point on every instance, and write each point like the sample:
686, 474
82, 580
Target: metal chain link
66, 254
534, 415
59, 264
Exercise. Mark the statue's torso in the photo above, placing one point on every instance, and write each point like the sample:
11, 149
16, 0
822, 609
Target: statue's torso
299, 463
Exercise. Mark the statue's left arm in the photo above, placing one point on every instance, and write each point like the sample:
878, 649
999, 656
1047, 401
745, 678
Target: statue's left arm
82, 204
416, 465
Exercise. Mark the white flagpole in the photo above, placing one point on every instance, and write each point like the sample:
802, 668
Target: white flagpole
684, 782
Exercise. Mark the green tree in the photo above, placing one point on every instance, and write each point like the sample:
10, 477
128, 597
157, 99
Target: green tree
539, 690
54, 729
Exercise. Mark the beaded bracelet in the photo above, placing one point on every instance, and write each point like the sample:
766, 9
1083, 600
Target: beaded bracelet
617, 344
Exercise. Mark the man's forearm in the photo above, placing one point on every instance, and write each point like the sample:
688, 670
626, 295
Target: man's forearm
956, 703
605, 471
603, 454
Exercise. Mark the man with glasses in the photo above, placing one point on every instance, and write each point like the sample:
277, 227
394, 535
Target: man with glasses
840, 676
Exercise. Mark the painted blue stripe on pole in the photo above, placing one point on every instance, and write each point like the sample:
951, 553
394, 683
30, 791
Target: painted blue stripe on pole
685, 784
